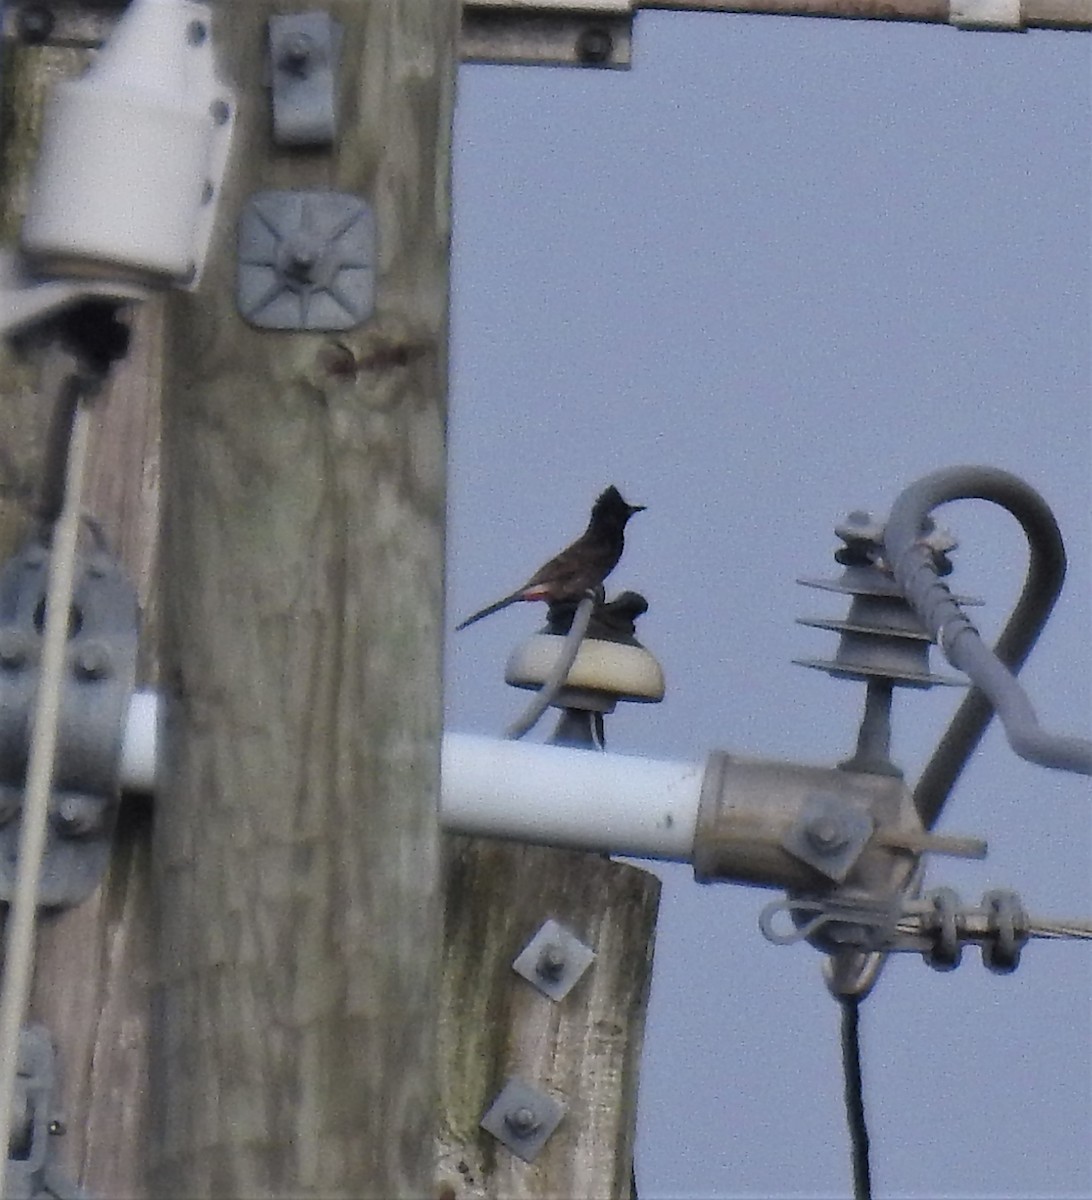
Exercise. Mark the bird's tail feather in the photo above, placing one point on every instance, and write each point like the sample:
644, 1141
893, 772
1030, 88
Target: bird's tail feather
490, 609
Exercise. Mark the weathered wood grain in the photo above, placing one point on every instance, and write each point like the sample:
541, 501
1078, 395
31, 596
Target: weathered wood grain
301, 581
585, 1050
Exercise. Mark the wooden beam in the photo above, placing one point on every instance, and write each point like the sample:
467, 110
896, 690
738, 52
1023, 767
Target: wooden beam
584, 1050
302, 569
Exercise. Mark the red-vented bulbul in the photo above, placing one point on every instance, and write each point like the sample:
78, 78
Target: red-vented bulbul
582, 566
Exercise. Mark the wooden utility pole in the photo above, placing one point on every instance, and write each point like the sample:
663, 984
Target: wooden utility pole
297, 870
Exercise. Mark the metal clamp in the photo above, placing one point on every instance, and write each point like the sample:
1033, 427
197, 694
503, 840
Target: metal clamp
523, 1118
29, 1173
832, 924
304, 49
554, 960
98, 686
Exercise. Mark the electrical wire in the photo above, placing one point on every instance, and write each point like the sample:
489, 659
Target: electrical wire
19, 950
560, 672
1042, 585
854, 1096
1057, 929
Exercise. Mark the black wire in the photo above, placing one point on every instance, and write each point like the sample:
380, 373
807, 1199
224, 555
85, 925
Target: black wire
93, 332
854, 1095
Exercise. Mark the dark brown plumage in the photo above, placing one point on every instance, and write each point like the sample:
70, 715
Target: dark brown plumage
581, 567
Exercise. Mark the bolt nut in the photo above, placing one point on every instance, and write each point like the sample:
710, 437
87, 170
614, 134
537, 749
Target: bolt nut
522, 1121
551, 961
78, 815
298, 54
93, 661
826, 834
594, 45
34, 24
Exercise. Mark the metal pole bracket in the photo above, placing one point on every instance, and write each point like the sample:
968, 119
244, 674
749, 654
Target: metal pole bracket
304, 49
94, 703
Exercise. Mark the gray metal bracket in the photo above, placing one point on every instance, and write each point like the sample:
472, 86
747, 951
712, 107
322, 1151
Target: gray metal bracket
306, 260
523, 1118
554, 960
829, 834
29, 1173
304, 50
569, 33
97, 688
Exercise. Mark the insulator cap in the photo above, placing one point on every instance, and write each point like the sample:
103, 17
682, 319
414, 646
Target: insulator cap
610, 671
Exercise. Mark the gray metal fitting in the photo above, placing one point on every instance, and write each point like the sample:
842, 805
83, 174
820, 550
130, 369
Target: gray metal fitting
30, 1173
14, 649
554, 960
786, 825
94, 703
306, 260
304, 49
523, 1118
829, 834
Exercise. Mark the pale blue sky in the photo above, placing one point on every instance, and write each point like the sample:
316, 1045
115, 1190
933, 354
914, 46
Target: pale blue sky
778, 271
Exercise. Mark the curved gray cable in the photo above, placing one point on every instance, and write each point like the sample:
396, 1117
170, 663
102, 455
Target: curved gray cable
991, 671
549, 690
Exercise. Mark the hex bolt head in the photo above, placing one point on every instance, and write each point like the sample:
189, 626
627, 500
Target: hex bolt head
594, 45
13, 649
298, 53
34, 23
551, 961
93, 661
827, 834
522, 1121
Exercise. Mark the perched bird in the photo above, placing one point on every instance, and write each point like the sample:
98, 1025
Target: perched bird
582, 566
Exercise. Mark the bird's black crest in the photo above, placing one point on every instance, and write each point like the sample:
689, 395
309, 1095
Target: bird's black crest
610, 501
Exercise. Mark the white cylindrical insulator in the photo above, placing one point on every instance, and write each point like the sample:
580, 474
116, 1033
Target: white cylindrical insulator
576, 798
139, 742
124, 158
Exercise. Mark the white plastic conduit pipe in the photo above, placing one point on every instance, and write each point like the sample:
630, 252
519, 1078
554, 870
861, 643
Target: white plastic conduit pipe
545, 794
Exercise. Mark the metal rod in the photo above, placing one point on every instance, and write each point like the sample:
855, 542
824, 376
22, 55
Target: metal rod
19, 951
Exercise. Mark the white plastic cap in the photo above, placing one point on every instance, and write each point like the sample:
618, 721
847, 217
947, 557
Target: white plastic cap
124, 167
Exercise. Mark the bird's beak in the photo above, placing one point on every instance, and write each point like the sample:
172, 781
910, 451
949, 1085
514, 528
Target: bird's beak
636, 508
